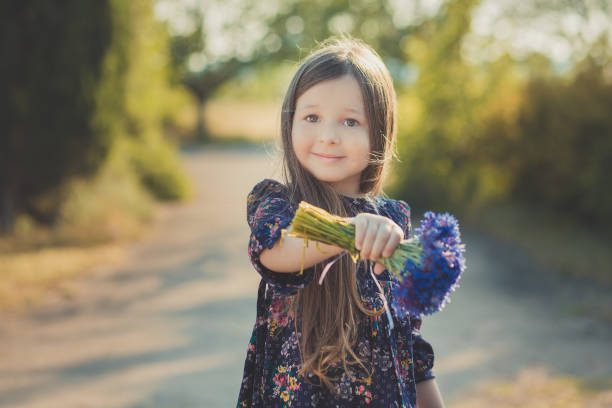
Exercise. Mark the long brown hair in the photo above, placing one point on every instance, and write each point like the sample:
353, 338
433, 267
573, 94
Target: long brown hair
329, 314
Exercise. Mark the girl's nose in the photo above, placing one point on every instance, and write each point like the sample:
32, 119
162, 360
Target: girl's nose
328, 134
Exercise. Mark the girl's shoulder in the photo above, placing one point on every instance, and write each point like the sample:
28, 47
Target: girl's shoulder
397, 210
268, 185
266, 188
266, 192
391, 203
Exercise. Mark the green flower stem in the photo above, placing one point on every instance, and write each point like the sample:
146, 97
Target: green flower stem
313, 223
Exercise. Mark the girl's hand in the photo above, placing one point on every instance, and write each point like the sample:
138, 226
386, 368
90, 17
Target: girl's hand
376, 236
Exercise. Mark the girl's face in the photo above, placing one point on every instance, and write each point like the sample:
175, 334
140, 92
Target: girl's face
330, 133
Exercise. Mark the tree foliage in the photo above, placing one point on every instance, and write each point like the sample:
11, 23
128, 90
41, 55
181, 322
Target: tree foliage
50, 70
83, 81
507, 130
556, 144
290, 31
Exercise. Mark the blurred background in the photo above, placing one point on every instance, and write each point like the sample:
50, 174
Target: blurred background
132, 132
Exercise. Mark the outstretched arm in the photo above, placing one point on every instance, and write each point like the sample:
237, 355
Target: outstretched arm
287, 257
375, 236
428, 394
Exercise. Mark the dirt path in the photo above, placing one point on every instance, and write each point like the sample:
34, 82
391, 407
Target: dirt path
170, 327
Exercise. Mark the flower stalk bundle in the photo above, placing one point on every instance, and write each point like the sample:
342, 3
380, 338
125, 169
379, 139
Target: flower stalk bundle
427, 265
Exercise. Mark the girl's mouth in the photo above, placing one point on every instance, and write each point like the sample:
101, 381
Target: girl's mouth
328, 158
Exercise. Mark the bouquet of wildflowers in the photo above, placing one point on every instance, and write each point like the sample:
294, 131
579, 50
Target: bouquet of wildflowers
427, 265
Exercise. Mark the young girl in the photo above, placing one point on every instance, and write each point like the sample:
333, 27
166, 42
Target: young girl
329, 342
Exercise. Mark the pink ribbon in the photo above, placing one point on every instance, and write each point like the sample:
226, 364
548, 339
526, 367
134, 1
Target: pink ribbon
384, 299
329, 265
382, 292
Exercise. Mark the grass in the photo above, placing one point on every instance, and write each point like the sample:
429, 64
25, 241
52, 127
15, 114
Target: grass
97, 218
562, 248
30, 275
556, 242
535, 387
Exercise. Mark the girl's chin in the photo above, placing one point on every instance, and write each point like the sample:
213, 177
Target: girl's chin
332, 181
326, 178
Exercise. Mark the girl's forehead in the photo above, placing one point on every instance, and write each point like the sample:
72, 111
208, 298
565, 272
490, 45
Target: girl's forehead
344, 91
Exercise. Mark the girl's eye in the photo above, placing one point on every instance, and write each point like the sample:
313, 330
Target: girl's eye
351, 122
311, 118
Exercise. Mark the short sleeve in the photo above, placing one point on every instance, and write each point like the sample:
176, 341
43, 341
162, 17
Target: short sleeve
422, 351
399, 211
404, 215
269, 211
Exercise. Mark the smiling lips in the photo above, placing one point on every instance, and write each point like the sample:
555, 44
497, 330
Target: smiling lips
327, 157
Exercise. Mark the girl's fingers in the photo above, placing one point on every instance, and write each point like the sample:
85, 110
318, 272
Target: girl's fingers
361, 224
379, 268
392, 244
384, 232
368, 240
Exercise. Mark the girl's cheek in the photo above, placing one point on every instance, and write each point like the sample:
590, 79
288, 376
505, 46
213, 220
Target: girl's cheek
304, 142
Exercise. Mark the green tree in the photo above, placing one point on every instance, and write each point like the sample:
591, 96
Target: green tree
556, 142
51, 66
85, 82
435, 170
137, 99
286, 33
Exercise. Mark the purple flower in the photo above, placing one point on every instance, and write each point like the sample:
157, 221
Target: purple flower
425, 286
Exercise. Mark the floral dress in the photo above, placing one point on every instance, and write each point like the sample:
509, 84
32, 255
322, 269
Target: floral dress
396, 353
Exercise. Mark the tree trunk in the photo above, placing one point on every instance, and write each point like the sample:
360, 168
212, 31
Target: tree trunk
202, 131
7, 211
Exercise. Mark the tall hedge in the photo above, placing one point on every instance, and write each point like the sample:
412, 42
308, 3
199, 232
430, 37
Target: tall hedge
82, 79
51, 66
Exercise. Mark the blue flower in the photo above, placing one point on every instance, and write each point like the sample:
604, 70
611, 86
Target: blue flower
425, 286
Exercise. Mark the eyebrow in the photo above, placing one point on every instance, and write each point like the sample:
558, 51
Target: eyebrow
350, 108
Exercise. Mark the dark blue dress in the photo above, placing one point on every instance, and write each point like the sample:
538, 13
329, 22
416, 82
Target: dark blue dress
398, 357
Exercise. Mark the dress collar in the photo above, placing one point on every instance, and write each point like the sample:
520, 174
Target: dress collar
359, 202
